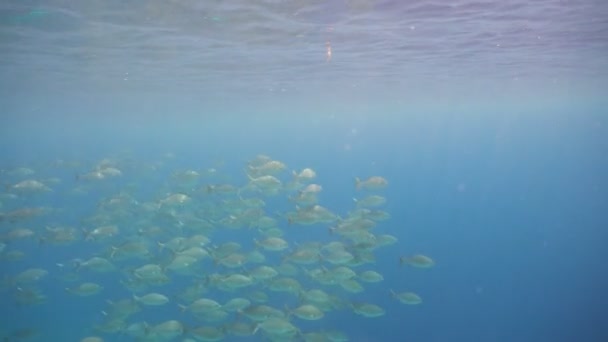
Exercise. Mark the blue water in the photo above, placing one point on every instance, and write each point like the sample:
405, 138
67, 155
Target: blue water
487, 118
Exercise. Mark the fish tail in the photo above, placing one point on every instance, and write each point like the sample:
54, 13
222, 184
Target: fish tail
402, 260
114, 250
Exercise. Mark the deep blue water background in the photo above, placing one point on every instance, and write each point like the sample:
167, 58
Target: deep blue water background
513, 210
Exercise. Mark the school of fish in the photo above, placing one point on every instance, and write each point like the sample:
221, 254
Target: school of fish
218, 256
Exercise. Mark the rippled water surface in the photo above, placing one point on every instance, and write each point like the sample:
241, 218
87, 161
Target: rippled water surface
264, 46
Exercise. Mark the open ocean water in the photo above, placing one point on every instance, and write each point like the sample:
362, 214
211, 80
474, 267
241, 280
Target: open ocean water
303, 170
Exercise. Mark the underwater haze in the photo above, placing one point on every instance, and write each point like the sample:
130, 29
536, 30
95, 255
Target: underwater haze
303, 170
